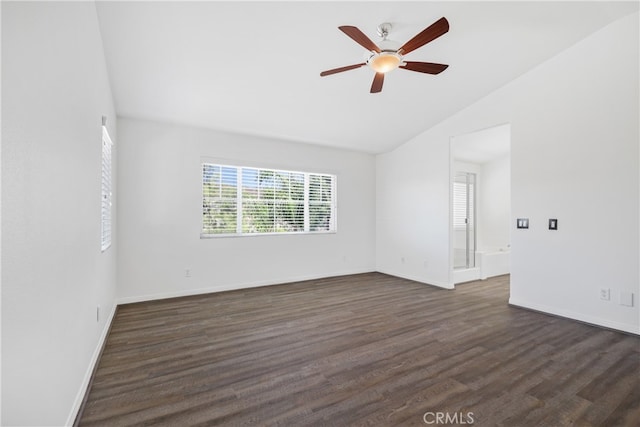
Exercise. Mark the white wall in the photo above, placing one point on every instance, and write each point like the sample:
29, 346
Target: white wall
494, 204
54, 91
574, 156
412, 212
0, 219
160, 214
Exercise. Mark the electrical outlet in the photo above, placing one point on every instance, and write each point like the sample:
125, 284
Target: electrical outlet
187, 272
605, 294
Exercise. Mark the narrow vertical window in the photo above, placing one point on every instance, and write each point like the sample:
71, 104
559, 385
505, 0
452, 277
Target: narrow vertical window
321, 201
107, 182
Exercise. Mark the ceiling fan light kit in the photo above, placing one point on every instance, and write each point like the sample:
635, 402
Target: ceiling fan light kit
384, 62
386, 56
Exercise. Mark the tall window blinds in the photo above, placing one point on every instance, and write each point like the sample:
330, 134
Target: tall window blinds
107, 182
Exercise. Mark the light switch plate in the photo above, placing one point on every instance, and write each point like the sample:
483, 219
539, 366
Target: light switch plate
522, 223
626, 298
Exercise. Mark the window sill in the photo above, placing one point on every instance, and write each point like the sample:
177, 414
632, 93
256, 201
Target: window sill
292, 233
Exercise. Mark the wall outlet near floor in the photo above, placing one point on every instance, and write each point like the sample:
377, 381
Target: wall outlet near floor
187, 272
605, 294
626, 298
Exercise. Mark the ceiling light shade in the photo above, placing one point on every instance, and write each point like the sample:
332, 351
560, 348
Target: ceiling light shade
384, 62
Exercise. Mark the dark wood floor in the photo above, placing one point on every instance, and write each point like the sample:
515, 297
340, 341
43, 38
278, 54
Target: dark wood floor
364, 350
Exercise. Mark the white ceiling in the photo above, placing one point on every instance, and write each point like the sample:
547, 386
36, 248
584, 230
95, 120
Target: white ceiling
253, 67
483, 146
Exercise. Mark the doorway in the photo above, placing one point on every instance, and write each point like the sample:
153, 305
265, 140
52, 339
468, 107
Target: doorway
480, 235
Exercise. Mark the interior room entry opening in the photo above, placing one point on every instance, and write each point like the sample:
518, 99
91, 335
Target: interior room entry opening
480, 233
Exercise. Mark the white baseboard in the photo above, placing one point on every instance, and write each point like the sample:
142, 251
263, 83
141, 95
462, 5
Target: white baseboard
77, 404
467, 275
624, 327
233, 287
417, 279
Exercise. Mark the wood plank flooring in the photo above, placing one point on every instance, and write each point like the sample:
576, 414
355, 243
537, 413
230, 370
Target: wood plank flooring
361, 350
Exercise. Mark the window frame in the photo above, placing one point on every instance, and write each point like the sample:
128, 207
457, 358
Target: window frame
239, 199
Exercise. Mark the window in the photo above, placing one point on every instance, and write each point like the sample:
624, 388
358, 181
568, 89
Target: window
459, 205
249, 201
463, 200
106, 190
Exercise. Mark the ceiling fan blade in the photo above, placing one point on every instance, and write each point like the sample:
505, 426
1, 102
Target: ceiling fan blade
424, 67
376, 86
359, 37
341, 69
430, 33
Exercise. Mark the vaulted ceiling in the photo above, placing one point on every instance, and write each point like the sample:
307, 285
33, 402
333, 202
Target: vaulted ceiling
254, 67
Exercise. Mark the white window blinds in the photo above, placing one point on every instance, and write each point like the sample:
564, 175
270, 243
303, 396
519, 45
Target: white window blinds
245, 200
219, 205
463, 208
106, 196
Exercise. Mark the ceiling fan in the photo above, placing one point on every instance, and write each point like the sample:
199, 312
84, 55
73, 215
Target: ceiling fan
388, 56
